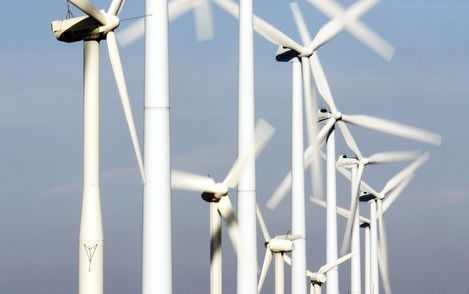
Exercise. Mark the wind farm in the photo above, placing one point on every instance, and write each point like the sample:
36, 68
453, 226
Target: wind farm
234, 146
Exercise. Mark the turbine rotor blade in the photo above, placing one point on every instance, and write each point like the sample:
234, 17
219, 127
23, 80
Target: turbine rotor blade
226, 211
131, 33
191, 182
405, 173
262, 27
116, 7
330, 266
91, 10
385, 157
371, 39
264, 229
363, 186
326, 33
349, 140
203, 21
265, 269
353, 210
300, 23
311, 111
321, 81
393, 128
121, 86
264, 131
359, 8
340, 211
394, 194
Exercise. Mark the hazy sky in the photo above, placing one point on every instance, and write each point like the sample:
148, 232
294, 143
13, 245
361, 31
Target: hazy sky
41, 148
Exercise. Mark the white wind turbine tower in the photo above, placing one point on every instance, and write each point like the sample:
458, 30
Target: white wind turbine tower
91, 29
277, 246
220, 205
176, 8
395, 185
156, 244
247, 260
157, 254
319, 278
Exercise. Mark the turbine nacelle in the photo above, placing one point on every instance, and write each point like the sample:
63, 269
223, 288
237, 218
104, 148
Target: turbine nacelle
279, 245
84, 28
317, 278
285, 54
324, 114
216, 193
347, 162
366, 197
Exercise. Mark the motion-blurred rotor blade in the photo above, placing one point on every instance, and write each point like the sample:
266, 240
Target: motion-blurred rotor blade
116, 7
329, 8
340, 211
330, 266
393, 128
264, 131
327, 32
383, 247
363, 186
192, 182
282, 190
349, 140
353, 210
131, 33
265, 269
203, 21
88, 8
226, 210
371, 39
405, 173
325, 131
359, 8
383, 272
321, 81
262, 27
176, 8
136, 30
121, 86
264, 229
397, 156
394, 194
300, 23
311, 111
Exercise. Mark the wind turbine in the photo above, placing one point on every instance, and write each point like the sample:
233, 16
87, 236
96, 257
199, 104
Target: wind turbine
216, 193
394, 185
91, 29
319, 278
176, 8
277, 247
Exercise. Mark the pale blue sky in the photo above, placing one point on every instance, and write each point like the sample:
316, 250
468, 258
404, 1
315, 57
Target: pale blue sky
41, 148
